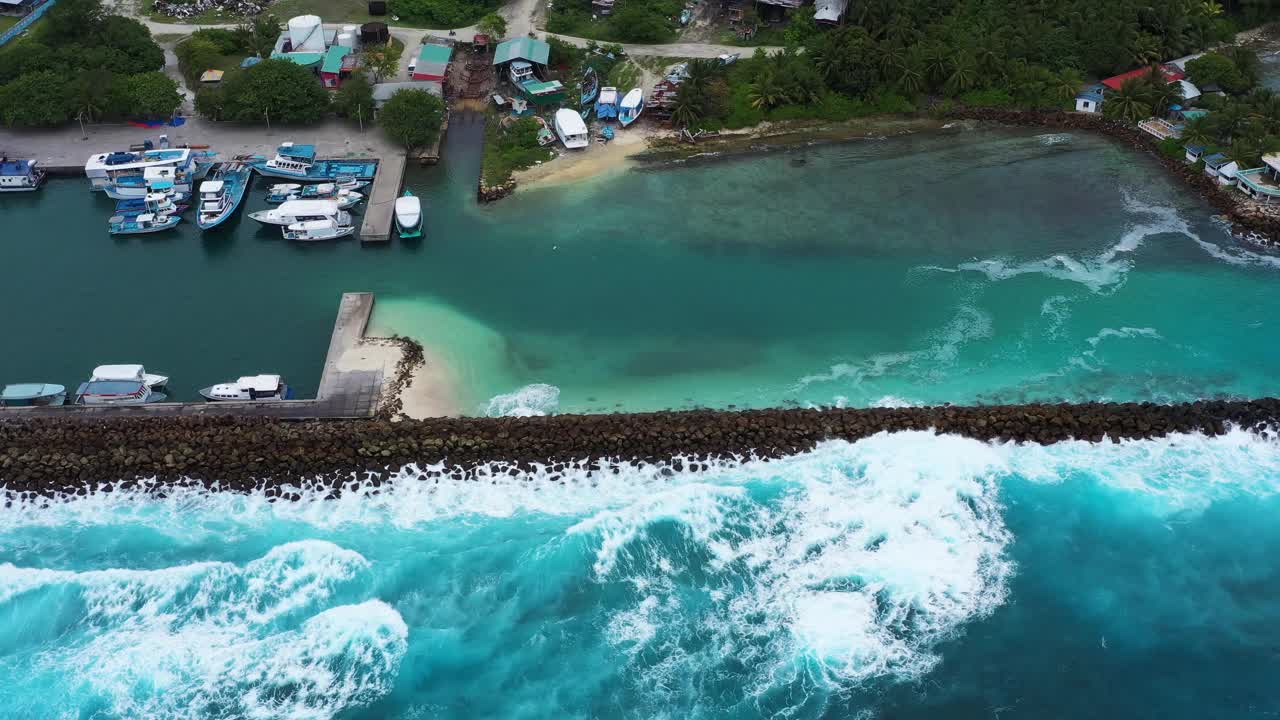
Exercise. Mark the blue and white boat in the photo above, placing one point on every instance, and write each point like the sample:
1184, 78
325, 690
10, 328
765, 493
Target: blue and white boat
20, 175
607, 103
631, 107
221, 194
343, 194
124, 175
155, 203
298, 162
590, 86
32, 395
408, 214
141, 224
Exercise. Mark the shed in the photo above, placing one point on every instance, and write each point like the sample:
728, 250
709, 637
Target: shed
382, 92
1213, 162
433, 62
1189, 91
374, 33
535, 51
211, 76
1193, 152
1090, 99
829, 11
331, 66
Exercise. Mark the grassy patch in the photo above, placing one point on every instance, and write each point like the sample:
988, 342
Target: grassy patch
624, 76
165, 38
508, 149
7, 21
764, 35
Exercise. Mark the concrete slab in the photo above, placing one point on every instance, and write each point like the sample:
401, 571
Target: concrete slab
379, 208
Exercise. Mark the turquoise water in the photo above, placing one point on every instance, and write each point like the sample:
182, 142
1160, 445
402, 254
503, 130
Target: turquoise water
971, 266
904, 576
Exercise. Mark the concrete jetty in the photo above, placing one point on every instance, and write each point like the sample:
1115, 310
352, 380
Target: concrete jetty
379, 207
346, 392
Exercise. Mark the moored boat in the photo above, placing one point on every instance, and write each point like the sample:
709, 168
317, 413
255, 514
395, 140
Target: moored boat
251, 388
408, 213
316, 230
296, 211
607, 103
141, 224
20, 175
32, 395
590, 86
116, 392
221, 195
571, 129
124, 174
129, 371
631, 106
282, 192
298, 162
155, 203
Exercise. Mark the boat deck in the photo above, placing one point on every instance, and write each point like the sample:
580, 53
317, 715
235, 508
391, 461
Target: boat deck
343, 394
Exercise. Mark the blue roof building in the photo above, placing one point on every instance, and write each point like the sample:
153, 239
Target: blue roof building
1090, 99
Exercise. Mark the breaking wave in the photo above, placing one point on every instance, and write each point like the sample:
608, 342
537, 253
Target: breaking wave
528, 401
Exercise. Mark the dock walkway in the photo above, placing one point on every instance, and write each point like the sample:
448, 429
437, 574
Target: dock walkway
379, 208
344, 393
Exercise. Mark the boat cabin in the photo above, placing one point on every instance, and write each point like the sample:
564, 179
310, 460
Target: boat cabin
20, 175
571, 129
113, 392
522, 56
213, 196
293, 158
249, 387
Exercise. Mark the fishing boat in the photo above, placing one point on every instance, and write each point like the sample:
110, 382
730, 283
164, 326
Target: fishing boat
631, 107
408, 212
607, 103
124, 174
20, 175
254, 388
116, 392
316, 230
296, 211
141, 224
292, 191
32, 395
571, 129
129, 371
545, 136
298, 162
590, 86
155, 203
221, 195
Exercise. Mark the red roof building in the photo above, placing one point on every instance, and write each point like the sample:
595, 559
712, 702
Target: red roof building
1170, 73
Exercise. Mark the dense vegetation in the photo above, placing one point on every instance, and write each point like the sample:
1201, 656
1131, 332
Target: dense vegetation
442, 13
273, 91
510, 147
223, 49
82, 62
632, 21
412, 118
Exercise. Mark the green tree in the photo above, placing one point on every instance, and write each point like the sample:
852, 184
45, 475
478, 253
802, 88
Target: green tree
1067, 85
412, 118
766, 92
72, 20
39, 99
640, 22
355, 98
195, 55
1198, 131
92, 93
964, 74
258, 36
382, 61
493, 25
1129, 102
152, 96
211, 102
274, 91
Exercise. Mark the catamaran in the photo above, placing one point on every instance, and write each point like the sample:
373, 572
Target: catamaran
220, 196
296, 211
408, 212
250, 387
123, 174
607, 103
313, 230
631, 107
298, 162
571, 129
20, 175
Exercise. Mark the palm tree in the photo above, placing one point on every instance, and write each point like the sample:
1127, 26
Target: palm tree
1146, 49
964, 74
1162, 94
892, 59
1198, 131
911, 79
766, 92
1129, 102
937, 64
1067, 85
686, 112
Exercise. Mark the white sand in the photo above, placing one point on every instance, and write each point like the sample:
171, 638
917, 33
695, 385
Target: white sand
597, 159
430, 392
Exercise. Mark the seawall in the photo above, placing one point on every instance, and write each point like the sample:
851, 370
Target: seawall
52, 456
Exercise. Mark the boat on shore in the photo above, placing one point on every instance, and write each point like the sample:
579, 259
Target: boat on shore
296, 211
141, 224
545, 136
32, 395
221, 195
571, 129
20, 175
317, 230
408, 214
631, 107
298, 162
252, 388
590, 86
607, 103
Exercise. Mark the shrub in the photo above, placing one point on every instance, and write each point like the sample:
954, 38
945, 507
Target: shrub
412, 118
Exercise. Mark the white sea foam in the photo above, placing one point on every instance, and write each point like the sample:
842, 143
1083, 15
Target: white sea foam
1057, 308
1054, 138
528, 401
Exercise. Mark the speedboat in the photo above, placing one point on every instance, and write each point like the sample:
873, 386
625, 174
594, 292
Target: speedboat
141, 224
136, 373
409, 215
20, 175
220, 196
32, 395
116, 392
571, 129
298, 162
296, 211
607, 103
631, 107
249, 387
316, 230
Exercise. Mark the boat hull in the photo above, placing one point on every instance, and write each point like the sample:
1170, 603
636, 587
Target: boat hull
144, 231
115, 192
286, 393
238, 182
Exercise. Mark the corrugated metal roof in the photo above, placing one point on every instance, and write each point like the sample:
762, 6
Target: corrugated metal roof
333, 59
522, 49
303, 59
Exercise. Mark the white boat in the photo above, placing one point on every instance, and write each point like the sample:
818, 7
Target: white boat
135, 373
20, 175
251, 388
631, 107
571, 129
296, 211
315, 230
125, 172
409, 215
116, 392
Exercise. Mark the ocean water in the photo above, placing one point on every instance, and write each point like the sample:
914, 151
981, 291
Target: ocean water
902, 576
966, 266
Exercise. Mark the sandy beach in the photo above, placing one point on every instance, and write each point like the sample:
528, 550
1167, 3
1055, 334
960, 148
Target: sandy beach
598, 159
430, 391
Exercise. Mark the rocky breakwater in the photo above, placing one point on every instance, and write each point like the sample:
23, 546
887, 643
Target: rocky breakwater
1248, 218
53, 456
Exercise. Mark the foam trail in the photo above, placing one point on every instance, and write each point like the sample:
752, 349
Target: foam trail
530, 400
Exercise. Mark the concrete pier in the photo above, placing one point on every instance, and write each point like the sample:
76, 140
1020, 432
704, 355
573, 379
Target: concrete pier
379, 208
345, 393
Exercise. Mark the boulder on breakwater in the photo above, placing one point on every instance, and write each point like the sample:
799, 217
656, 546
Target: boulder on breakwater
52, 456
